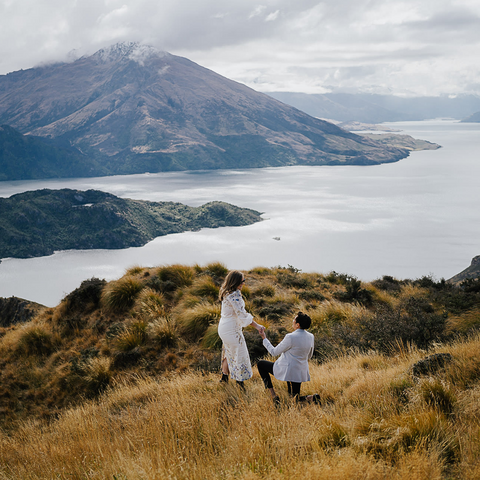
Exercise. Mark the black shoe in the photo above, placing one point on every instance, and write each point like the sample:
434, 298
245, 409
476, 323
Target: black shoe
241, 385
224, 378
276, 400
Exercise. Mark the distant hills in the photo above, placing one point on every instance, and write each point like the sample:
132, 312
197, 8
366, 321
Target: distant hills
37, 223
475, 118
369, 108
132, 109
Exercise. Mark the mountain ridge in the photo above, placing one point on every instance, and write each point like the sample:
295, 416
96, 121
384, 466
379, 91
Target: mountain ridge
374, 108
132, 109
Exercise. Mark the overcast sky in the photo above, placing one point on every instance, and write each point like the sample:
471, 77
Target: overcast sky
405, 47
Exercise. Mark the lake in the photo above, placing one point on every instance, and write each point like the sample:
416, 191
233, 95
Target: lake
416, 217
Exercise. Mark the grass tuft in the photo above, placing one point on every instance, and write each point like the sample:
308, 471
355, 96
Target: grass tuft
164, 332
195, 321
121, 294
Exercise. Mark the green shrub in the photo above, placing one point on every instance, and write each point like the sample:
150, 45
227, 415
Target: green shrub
86, 297
260, 271
412, 321
336, 278
311, 296
275, 310
293, 279
121, 294
388, 284
354, 292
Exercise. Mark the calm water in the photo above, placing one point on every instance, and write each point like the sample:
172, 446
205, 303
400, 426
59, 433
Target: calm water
416, 217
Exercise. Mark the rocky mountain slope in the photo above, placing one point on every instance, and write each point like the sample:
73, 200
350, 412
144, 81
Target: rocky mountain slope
37, 223
132, 109
470, 273
31, 157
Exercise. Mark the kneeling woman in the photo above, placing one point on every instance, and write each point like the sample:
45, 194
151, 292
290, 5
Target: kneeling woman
295, 351
235, 357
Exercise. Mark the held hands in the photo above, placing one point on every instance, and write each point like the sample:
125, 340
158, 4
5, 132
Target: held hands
261, 331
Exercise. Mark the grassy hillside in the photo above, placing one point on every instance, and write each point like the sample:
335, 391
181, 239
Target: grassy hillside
120, 380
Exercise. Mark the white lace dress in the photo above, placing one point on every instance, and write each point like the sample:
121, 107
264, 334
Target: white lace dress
233, 318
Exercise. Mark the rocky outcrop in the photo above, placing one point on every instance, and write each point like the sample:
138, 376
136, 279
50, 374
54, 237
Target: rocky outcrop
15, 310
470, 273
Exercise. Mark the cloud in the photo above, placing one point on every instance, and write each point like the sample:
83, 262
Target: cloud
391, 45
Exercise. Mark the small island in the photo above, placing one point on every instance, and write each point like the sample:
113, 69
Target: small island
40, 222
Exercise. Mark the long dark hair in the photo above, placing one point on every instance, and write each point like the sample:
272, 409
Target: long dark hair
232, 281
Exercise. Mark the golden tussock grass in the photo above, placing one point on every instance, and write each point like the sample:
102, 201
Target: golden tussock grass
191, 427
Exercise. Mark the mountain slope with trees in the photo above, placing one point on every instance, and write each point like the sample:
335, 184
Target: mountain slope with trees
25, 157
37, 223
132, 109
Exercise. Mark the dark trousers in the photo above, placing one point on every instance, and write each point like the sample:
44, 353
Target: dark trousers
265, 369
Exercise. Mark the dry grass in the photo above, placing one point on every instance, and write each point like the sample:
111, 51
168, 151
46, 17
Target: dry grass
191, 427
152, 341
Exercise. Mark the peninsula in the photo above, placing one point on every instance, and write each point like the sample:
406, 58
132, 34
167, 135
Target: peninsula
40, 222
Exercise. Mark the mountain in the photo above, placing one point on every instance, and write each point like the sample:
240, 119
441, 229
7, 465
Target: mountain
369, 108
470, 273
475, 118
29, 157
37, 223
132, 109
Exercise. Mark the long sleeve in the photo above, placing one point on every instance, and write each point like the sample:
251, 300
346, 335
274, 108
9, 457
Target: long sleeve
235, 300
283, 346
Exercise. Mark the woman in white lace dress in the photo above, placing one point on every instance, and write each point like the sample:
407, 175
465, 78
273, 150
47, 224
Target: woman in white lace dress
235, 357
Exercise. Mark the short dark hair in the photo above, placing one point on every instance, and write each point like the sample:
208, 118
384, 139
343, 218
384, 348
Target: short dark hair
303, 320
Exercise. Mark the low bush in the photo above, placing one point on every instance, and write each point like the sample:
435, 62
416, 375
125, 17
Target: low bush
354, 292
134, 335
86, 297
388, 284
211, 339
150, 304
438, 394
195, 321
264, 290
36, 340
170, 278
217, 270
121, 294
163, 332
206, 288
91, 373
